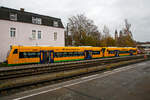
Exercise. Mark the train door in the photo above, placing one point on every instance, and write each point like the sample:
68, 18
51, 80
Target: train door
51, 56
131, 52
116, 53
88, 54
44, 57
103, 52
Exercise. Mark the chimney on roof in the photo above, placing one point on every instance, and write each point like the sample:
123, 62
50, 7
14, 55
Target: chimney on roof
22, 9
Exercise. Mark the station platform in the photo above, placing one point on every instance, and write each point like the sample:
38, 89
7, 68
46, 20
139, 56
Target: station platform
125, 83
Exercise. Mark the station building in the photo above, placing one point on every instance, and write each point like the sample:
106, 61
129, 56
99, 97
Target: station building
21, 28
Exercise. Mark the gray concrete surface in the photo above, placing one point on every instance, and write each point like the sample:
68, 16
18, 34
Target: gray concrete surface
127, 83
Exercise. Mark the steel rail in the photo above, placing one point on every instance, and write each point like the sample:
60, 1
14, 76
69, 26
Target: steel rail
22, 72
48, 69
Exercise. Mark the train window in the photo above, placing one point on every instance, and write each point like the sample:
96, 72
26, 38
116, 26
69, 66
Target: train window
77, 53
80, 53
64, 54
29, 54
21, 55
72, 53
134, 51
68, 54
122, 52
15, 51
55, 54
111, 52
95, 52
60, 54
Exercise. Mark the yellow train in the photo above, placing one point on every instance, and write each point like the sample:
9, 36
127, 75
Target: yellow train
37, 54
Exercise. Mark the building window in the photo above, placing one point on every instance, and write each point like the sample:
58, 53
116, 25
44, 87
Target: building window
55, 36
55, 23
36, 20
33, 34
39, 34
12, 32
13, 16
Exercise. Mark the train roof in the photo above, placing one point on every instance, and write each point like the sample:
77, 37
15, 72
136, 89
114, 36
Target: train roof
69, 47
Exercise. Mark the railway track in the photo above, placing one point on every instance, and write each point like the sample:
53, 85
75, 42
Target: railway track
22, 72
37, 75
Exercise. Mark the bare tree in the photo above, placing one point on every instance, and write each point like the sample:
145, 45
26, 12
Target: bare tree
125, 38
127, 28
82, 28
127, 25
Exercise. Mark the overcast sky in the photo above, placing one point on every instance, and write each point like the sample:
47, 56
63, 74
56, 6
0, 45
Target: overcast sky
103, 12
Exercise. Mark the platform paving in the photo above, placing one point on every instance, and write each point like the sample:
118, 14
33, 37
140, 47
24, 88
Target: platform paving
127, 83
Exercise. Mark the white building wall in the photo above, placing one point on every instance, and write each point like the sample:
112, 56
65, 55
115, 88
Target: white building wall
23, 32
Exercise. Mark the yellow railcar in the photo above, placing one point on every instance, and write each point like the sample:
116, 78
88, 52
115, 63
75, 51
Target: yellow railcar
36, 54
120, 51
